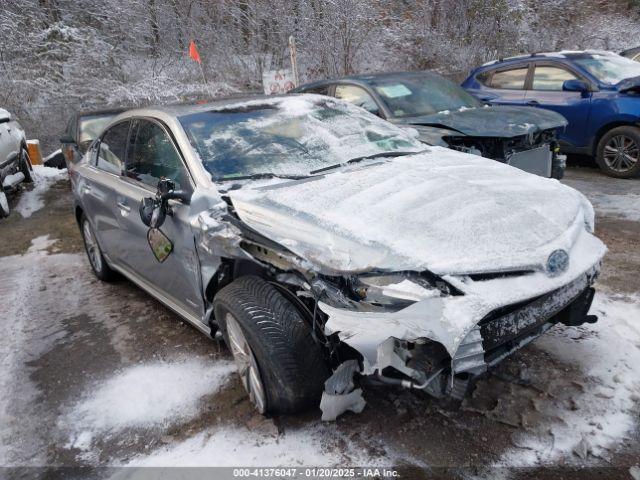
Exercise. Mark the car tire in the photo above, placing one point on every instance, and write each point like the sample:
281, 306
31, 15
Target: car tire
281, 366
618, 152
4, 203
25, 166
94, 253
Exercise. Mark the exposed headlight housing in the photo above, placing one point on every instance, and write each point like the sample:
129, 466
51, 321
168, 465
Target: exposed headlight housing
393, 289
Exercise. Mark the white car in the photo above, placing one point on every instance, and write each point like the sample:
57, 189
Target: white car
15, 166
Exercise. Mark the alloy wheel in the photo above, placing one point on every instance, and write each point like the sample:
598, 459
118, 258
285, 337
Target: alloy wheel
93, 250
621, 153
246, 362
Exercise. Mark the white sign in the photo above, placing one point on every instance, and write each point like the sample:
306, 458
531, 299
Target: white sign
277, 81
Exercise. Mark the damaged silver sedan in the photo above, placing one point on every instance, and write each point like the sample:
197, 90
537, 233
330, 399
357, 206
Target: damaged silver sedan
327, 246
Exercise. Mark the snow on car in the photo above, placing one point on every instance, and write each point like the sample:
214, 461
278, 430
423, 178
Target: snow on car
15, 166
325, 244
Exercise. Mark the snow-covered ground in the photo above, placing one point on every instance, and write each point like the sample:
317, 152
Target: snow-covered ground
604, 410
101, 375
31, 200
156, 394
610, 196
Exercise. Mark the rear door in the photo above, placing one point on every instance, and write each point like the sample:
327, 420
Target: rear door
96, 187
504, 86
152, 154
545, 91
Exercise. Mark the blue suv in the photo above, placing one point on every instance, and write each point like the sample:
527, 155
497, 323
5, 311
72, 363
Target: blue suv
597, 92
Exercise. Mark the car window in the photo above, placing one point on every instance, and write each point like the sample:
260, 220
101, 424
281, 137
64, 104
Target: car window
72, 127
550, 78
112, 149
152, 155
421, 93
510, 79
483, 78
324, 90
358, 96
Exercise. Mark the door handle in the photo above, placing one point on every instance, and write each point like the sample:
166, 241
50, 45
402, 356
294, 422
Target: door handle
125, 208
533, 103
86, 189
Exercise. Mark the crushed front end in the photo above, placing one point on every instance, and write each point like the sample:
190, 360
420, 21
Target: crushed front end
466, 325
536, 153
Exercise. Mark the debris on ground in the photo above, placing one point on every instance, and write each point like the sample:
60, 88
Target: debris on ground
340, 394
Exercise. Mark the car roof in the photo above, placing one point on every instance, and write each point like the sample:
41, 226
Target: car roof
560, 55
630, 51
103, 111
178, 110
371, 78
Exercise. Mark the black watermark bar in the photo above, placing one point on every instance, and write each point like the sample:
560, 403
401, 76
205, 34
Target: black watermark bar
313, 473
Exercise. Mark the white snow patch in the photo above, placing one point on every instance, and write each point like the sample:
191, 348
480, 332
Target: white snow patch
51, 155
40, 244
409, 291
145, 396
608, 353
43, 178
625, 205
233, 446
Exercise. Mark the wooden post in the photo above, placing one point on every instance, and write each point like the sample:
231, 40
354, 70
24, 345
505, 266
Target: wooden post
294, 60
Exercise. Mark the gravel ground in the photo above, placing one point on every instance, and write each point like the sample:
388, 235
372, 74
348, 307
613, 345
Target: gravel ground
101, 375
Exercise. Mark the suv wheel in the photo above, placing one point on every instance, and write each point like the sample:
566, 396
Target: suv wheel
4, 203
25, 166
280, 365
618, 153
96, 259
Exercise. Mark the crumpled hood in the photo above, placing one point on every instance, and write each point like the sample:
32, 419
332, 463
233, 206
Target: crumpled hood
444, 211
491, 121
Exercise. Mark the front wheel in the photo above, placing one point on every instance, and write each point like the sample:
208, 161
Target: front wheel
25, 166
618, 153
96, 259
280, 365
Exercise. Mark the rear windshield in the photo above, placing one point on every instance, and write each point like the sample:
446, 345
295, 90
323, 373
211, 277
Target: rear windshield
91, 127
416, 95
289, 136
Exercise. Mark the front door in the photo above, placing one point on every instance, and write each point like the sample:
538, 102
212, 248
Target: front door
152, 155
546, 92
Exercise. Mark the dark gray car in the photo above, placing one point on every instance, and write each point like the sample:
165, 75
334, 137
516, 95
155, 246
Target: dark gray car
445, 114
82, 129
317, 238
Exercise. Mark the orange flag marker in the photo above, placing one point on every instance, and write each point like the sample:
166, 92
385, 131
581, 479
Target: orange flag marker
193, 52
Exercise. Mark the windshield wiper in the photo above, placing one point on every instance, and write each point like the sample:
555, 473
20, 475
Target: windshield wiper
366, 157
257, 176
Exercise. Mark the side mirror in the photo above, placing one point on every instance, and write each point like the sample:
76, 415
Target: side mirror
575, 86
167, 191
154, 210
67, 139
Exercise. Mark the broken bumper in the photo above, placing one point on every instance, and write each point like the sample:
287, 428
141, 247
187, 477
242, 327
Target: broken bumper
406, 355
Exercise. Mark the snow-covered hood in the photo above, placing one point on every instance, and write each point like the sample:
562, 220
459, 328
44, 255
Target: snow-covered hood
491, 121
444, 211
